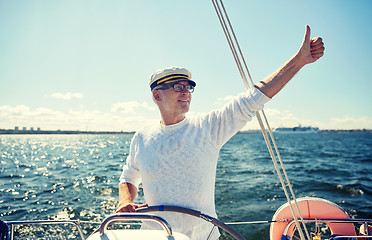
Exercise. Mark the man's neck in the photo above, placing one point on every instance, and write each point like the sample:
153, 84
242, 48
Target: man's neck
171, 121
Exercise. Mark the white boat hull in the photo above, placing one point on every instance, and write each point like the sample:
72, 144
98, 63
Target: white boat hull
132, 234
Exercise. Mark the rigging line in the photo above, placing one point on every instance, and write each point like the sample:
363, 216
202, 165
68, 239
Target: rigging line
236, 58
223, 23
231, 43
268, 143
237, 44
286, 176
250, 222
282, 181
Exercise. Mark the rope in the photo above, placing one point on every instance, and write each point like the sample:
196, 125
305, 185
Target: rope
239, 58
250, 222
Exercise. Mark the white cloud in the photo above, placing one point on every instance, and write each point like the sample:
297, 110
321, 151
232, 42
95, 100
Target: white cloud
222, 101
6, 110
130, 116
49, 119
349, 122
131, 107
286, 118
67, 96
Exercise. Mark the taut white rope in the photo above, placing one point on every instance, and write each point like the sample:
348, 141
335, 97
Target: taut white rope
239, 58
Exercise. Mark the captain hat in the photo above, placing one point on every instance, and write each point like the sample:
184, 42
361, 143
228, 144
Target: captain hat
170, 75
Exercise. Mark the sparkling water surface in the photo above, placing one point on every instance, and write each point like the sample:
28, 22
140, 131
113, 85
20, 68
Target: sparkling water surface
76, 177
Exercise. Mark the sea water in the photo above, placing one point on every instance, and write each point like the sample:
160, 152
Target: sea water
76, 177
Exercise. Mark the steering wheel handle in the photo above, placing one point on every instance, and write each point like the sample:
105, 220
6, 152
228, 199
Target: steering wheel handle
191, 212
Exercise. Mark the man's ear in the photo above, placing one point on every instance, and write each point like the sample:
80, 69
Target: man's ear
156, 95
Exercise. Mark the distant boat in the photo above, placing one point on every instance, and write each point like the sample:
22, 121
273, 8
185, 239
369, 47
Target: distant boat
298, 129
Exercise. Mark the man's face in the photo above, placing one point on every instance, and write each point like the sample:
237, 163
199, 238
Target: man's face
172, 102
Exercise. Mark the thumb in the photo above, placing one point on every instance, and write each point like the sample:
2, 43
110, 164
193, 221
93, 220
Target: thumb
307, 35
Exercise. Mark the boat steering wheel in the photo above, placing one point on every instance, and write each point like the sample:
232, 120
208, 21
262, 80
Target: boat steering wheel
194, 213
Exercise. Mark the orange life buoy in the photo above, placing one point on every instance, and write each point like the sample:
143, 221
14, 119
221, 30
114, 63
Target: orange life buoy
310, 208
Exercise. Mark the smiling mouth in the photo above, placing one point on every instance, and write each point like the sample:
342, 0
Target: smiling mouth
183, 100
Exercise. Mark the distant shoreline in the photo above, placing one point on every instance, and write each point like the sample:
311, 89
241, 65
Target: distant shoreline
69, 132
23, 132
321, 131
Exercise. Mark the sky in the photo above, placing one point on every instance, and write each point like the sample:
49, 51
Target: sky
85, 65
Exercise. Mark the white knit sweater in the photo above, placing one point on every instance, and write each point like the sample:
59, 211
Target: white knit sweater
177, 163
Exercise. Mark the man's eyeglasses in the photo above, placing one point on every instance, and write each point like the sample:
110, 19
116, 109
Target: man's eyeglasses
178, 87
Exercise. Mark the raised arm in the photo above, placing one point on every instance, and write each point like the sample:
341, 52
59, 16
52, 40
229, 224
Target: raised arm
310, 51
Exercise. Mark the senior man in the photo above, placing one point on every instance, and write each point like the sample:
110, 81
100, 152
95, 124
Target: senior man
176, 159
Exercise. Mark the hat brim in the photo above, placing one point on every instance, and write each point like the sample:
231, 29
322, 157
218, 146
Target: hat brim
191, 82
170, 81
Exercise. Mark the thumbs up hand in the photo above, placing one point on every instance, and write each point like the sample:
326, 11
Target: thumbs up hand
312, 48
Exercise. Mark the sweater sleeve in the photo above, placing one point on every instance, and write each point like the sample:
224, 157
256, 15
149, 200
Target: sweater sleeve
227, 121
131, 173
